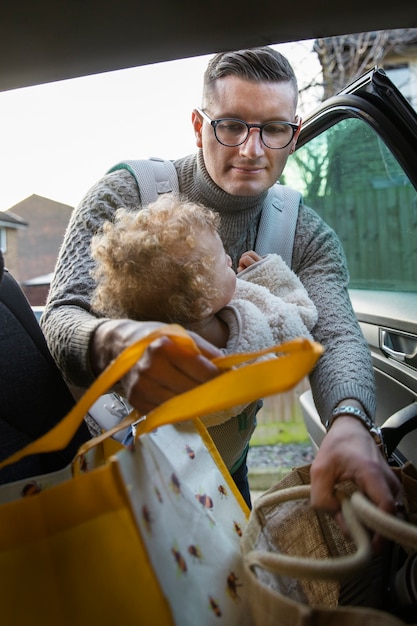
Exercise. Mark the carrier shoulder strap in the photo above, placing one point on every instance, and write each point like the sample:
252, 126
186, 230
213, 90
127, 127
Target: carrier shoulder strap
278, 222
153, 176
279, 214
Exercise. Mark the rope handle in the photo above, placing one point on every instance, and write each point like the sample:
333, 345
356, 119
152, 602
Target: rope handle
383, 523
254, 380
301, 567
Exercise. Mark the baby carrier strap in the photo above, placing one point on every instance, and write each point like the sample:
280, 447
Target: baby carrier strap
278, 222
154, 176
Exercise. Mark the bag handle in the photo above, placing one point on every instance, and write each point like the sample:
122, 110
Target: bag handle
253, 380
300, 567
235, 386
383, 523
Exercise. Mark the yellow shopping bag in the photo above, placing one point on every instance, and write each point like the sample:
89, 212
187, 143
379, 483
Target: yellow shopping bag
152, 536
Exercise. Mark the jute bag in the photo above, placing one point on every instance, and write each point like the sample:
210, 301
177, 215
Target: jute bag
152, 534
300, 570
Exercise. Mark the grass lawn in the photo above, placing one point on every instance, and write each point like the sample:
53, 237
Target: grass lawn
268, 434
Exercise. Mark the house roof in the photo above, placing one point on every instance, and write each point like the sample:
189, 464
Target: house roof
10, 220
37, 246
34, 201
32, 208
43, 279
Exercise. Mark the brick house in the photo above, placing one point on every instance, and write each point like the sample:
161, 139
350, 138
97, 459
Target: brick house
10, 226
31, 235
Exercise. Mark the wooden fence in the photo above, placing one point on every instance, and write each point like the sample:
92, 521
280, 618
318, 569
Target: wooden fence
378, 230
283, 407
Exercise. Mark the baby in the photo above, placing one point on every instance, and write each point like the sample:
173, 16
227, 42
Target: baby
166, 262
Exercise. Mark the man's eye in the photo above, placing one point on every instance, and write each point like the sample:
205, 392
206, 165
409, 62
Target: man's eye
277, 129
232, 127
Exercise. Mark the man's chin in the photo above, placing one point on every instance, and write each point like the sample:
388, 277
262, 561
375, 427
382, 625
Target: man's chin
245, 189
240, 183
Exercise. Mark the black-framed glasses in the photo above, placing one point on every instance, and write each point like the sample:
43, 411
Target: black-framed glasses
231, 132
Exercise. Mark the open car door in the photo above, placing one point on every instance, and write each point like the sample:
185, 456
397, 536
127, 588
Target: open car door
356, 165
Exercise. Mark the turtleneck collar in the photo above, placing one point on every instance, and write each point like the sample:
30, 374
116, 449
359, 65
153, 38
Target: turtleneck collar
200, 187
239, 214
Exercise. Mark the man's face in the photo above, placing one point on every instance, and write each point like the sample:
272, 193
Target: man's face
251, 168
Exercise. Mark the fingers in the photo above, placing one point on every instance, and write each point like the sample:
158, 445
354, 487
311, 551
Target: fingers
372, 476
166, 368
165, 371
248, 258
206, 348
348, 452
380, 484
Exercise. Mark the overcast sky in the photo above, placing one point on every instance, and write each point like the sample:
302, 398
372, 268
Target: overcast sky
57, 139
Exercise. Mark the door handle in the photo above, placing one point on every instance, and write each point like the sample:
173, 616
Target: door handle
401, 347
397, 426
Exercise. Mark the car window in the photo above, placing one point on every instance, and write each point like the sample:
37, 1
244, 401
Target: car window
352, 179
38, 310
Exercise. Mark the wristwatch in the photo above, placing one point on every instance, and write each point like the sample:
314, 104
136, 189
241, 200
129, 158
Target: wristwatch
358, 414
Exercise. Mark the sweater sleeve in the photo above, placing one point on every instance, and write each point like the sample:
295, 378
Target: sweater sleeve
345, 368
67, 323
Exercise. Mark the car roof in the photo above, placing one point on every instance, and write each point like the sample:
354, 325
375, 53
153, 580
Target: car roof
52, 40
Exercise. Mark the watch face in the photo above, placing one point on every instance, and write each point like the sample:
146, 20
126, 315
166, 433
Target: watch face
376, 434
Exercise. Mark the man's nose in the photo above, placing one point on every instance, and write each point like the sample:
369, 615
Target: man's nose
253, 145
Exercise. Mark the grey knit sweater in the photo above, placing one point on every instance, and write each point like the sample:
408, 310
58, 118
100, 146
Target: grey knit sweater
344, 370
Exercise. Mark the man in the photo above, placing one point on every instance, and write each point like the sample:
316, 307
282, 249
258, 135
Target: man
245, 131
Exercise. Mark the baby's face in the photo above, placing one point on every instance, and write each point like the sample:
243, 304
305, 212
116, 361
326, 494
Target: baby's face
224, 274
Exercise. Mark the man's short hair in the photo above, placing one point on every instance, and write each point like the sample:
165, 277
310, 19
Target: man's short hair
254, 64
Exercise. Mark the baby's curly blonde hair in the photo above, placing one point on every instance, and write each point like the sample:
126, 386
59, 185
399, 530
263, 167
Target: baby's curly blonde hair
153, 264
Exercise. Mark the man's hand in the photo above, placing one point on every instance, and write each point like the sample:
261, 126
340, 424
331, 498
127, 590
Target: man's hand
348, 452
165, 370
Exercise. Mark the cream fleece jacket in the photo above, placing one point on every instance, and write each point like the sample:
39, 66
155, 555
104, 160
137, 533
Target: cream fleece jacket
270, 306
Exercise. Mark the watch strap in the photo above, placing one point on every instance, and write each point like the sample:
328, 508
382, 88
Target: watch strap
353, 411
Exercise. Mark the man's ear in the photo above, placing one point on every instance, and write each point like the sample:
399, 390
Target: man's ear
298, 121
197, 123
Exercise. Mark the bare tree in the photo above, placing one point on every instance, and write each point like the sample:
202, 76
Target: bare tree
345, 58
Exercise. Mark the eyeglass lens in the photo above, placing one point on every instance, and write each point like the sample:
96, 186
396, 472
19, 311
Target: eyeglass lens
234, 132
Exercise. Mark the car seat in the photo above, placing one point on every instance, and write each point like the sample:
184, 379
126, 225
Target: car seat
33, 394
